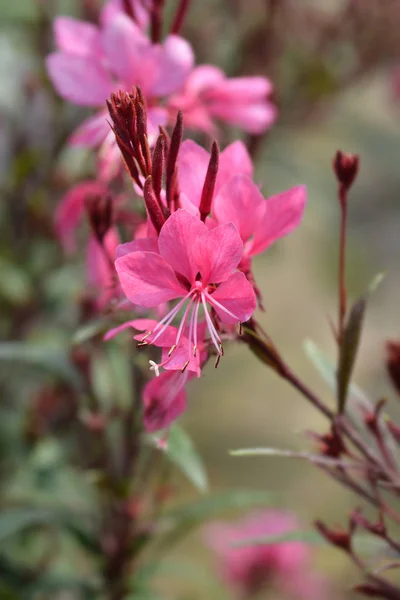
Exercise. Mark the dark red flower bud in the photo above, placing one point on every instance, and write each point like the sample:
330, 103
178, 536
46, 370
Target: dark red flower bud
331, 444
346, 168
207, 193
393, 363
172, 183
337, 537
153, 205
100, 212
128, 7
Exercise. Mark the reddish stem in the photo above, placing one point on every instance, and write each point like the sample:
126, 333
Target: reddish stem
342, 262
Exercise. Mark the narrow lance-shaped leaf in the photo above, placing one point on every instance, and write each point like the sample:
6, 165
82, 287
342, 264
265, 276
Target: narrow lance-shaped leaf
348, 350
316, 459
350, 343
181, 451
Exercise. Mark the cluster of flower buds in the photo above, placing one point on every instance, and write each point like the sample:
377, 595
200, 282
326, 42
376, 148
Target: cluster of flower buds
206, 219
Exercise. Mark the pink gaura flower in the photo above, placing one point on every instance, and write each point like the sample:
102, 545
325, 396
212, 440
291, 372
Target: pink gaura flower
164, 396
237, 199
194, 264
260, 222
164, 399
250, 568
93, 61
183, 358
240, 101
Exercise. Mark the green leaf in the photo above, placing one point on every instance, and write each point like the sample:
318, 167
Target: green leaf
307, 537
316, 459
88, 331
357, 399
48, 358
351, 340
348, 350
16, 520
182, 453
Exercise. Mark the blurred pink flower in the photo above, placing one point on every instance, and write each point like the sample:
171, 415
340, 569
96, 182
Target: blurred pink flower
240, 101
196, 265
91, 62
70, 210
164, 399
249, 569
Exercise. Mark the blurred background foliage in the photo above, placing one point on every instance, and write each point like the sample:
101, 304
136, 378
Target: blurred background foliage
332, 63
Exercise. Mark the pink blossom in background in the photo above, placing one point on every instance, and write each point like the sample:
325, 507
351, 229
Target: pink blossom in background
71, 208
194, 264
93, 61
248, 569
209, 95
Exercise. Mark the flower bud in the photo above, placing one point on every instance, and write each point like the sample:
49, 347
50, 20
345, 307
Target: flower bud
346, 168
337, 537
100, 212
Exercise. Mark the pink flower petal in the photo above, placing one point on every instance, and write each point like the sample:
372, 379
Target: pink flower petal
202, 78
111, 333
174, 63
240, 202
77, 37
282, 214
70, 209
164, 399
147, 280
79, 79
192, 168
243, 89
139, 245
254, 117
91, 132
126, 48
233, 160
235, 294
218, 253
176, 242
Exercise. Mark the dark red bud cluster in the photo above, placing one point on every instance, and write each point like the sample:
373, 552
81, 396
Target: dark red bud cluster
99, 209
331, 444
129, 123
346, 168
393, 363
337, 537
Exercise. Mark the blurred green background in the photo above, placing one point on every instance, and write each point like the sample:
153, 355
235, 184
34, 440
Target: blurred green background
333, 75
